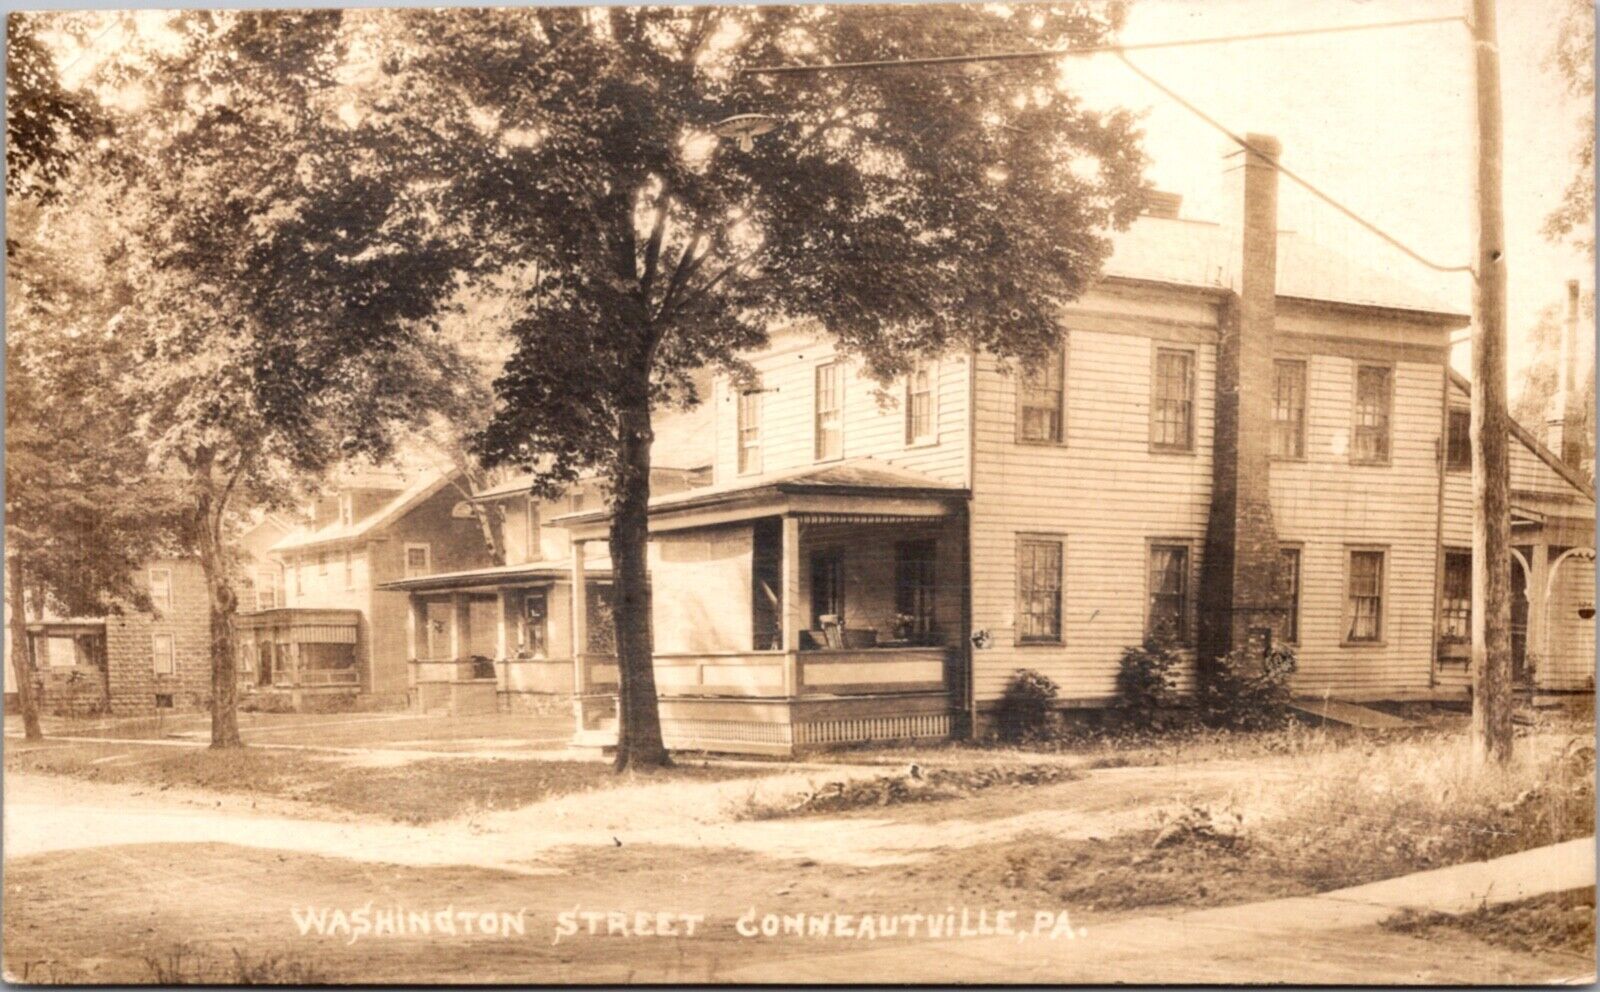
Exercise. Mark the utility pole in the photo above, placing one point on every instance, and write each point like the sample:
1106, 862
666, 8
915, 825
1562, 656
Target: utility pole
1491, 480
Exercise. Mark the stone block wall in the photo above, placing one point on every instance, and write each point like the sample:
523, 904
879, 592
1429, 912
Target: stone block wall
132, 680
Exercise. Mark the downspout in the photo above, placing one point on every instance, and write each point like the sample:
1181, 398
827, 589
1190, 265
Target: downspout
968, 650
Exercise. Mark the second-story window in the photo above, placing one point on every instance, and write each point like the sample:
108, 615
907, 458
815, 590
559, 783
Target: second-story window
347, 514
349, 569
418, 560
1289, 409
1374, 398
829, 412
750, 431
161, 589
919, 404
1458, 442
1172, 401
535, 536
1041, 400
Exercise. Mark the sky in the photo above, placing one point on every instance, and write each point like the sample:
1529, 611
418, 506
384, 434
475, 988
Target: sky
1382, 121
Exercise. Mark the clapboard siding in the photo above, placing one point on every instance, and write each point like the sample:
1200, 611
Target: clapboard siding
874, 416
1327, 505
1569, 662
1103, 491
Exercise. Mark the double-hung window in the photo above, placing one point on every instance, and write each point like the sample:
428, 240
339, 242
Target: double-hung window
535, 534
749, 430
1289, 578
163, 659
1364, 597
1039, 568
1455, 600
1167, 618
1172, 400
161, 589
1289, 409
1373, 402
919, 404
1458, 441
1041, 400
829, 399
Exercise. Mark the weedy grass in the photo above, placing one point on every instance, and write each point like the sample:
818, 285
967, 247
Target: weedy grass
1560, 921
185, 964
416, 792
916, 785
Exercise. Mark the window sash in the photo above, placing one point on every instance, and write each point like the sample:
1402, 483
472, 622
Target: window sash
1289, 410
1039, 566
919, 404
749, 431
1365, 596
1041, 398
535, 550
915, 583
1168, 589
1370, 441
1172, 407
829, 402
418, 560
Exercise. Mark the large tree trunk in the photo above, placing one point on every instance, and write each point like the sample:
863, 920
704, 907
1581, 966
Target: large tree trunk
639, 742
224, 603
22, 652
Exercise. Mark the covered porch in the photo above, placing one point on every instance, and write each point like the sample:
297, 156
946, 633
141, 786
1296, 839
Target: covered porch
299, 651
823, 607
498, 639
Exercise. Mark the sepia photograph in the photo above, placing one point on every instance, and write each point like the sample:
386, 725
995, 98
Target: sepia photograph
1017, 493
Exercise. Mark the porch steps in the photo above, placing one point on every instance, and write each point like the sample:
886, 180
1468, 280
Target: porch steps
1349, 714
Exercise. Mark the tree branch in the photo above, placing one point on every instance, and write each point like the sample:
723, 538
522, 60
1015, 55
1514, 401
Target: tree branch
652, 249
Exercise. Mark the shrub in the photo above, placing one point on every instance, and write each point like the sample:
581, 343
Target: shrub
1026, 709
1147, 682
1243, 691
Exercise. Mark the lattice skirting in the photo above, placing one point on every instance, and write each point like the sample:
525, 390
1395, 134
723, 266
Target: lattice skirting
875, 728
707, 733
738, 734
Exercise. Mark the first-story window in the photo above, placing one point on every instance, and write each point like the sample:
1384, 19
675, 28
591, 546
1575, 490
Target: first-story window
535, 621
1455, 600
349, 569
162, 657
1289, 579
1365, 597
1167, 620
1039, 567
827, 588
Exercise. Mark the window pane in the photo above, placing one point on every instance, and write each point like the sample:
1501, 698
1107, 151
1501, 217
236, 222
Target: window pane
1289, 410
1289, 576
749, 410
1455, 605
1366, 595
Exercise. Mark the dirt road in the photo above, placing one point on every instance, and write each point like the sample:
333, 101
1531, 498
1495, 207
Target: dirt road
655, 883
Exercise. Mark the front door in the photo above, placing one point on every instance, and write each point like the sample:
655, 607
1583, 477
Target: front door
1519, 624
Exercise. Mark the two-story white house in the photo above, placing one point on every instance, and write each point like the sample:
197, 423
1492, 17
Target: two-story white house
1242, 437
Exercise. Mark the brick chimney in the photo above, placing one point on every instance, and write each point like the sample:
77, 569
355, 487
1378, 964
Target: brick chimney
1241, 601
1565, 422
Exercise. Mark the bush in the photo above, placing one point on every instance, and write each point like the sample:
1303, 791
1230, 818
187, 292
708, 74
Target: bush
1027, 708
1243, 691
1147, 683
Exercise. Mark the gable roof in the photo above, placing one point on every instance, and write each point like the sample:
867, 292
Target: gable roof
1534, 445
1203, 254
335, 533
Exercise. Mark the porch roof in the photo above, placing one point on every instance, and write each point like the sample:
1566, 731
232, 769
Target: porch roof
302, 625
558, 570
858, 487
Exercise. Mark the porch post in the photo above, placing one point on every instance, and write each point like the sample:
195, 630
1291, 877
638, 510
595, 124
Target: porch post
791, 604
501, 641
580, 620
457, 605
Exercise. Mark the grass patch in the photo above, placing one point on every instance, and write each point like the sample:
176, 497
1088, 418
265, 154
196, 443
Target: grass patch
416, 792
1348, 817
183, 964
1560, 921
914, 786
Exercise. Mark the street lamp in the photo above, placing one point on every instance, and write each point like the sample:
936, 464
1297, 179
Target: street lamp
745, 127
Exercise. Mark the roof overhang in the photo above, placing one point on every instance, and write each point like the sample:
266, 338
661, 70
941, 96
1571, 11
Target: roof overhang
807, 501
299, 625
493, 579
